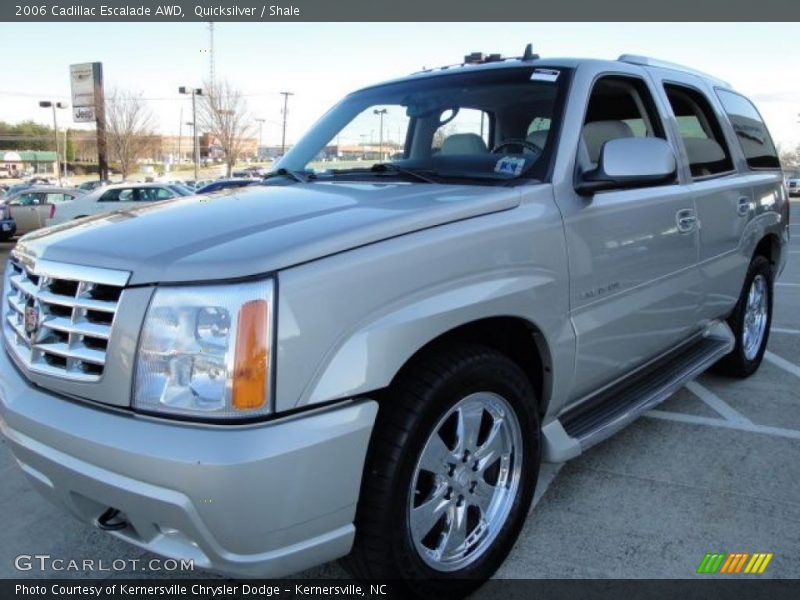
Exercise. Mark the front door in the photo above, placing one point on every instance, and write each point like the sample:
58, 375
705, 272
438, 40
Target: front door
635, 287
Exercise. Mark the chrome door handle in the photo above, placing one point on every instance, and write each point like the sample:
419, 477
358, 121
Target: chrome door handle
744, 207
686, 220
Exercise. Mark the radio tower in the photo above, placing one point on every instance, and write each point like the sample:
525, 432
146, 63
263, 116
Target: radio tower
211, 52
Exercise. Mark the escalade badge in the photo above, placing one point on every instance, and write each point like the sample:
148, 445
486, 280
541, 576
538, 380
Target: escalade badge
32, 318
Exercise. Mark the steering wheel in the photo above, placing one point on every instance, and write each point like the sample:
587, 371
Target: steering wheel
517, 142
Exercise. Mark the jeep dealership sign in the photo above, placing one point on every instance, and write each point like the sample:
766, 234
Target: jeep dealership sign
83, 114
85, 78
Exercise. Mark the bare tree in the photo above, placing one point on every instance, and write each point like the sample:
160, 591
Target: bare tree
224, 115
129, 128
790, 158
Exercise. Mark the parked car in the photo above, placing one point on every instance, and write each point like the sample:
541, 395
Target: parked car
251, 171
8, 227
372, 362
223, 184
13, 189
196, 185
41, 180
33, 207
118, 197
92, 185
793, 184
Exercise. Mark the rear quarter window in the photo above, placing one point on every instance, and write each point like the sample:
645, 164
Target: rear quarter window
751, 131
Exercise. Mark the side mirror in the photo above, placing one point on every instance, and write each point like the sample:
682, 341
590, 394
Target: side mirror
629, 163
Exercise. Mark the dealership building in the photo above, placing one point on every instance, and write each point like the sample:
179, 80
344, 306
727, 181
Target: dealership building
14, 163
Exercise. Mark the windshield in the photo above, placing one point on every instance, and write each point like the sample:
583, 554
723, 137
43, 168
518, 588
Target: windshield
482, 127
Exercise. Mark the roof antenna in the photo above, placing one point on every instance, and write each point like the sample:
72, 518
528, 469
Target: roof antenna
528, 54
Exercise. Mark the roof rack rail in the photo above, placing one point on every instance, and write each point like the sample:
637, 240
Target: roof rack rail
646, 61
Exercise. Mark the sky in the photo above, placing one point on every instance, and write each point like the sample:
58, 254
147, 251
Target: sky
321, 62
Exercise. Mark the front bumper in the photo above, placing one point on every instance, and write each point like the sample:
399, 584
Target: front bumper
261, 500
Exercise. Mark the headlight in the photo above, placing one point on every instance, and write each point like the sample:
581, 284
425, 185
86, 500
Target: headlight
205, 351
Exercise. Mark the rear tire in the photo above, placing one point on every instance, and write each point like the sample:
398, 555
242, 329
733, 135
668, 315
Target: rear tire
443, 500
750, 322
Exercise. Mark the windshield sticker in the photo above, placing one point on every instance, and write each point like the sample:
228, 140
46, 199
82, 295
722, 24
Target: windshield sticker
545, 75
510, 166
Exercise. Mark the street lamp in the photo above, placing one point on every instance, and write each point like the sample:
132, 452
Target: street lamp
54, 106
196, 148
381, 114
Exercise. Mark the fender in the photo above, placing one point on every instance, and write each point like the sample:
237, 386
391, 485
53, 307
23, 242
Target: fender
349, 322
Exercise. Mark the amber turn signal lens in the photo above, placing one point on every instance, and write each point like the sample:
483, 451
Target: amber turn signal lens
251, 357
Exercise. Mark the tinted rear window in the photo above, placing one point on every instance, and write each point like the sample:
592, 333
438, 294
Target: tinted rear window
750, 130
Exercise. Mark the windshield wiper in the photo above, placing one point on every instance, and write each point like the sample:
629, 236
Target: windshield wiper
387, 168
296, 175
393, 168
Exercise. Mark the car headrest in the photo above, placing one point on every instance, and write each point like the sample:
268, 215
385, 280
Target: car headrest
464, 143
597, 133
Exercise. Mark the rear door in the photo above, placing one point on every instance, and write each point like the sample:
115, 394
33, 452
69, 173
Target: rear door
155, 194
127, 198
118, 198
634, 284
723, 196
25, 211
759, 170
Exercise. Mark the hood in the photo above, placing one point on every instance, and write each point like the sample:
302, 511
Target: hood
257, 230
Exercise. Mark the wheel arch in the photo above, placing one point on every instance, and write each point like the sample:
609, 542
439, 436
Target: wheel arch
515, 337
769, 246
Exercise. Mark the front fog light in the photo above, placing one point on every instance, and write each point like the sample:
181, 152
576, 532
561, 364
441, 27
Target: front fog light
205, 351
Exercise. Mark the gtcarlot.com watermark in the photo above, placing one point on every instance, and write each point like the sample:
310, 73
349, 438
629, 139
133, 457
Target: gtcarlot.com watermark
46, 562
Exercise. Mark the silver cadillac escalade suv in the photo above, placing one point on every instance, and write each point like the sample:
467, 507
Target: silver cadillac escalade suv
370, 355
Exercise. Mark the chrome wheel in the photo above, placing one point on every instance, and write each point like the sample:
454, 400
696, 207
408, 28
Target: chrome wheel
465, 481
755, 317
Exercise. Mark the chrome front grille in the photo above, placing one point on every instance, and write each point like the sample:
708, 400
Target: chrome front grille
59, 317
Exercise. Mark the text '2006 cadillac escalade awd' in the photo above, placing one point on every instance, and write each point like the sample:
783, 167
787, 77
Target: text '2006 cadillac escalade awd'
371, 361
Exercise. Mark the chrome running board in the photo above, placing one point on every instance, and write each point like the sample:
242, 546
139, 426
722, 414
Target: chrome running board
601, 415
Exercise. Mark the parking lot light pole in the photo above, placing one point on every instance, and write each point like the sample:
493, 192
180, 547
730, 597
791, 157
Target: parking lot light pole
196, 148
54, 106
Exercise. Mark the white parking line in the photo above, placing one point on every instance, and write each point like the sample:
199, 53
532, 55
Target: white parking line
717, 403
782, 363
723, 424
784, 330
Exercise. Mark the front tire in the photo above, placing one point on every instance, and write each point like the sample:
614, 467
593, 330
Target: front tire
450, 473
750, 321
